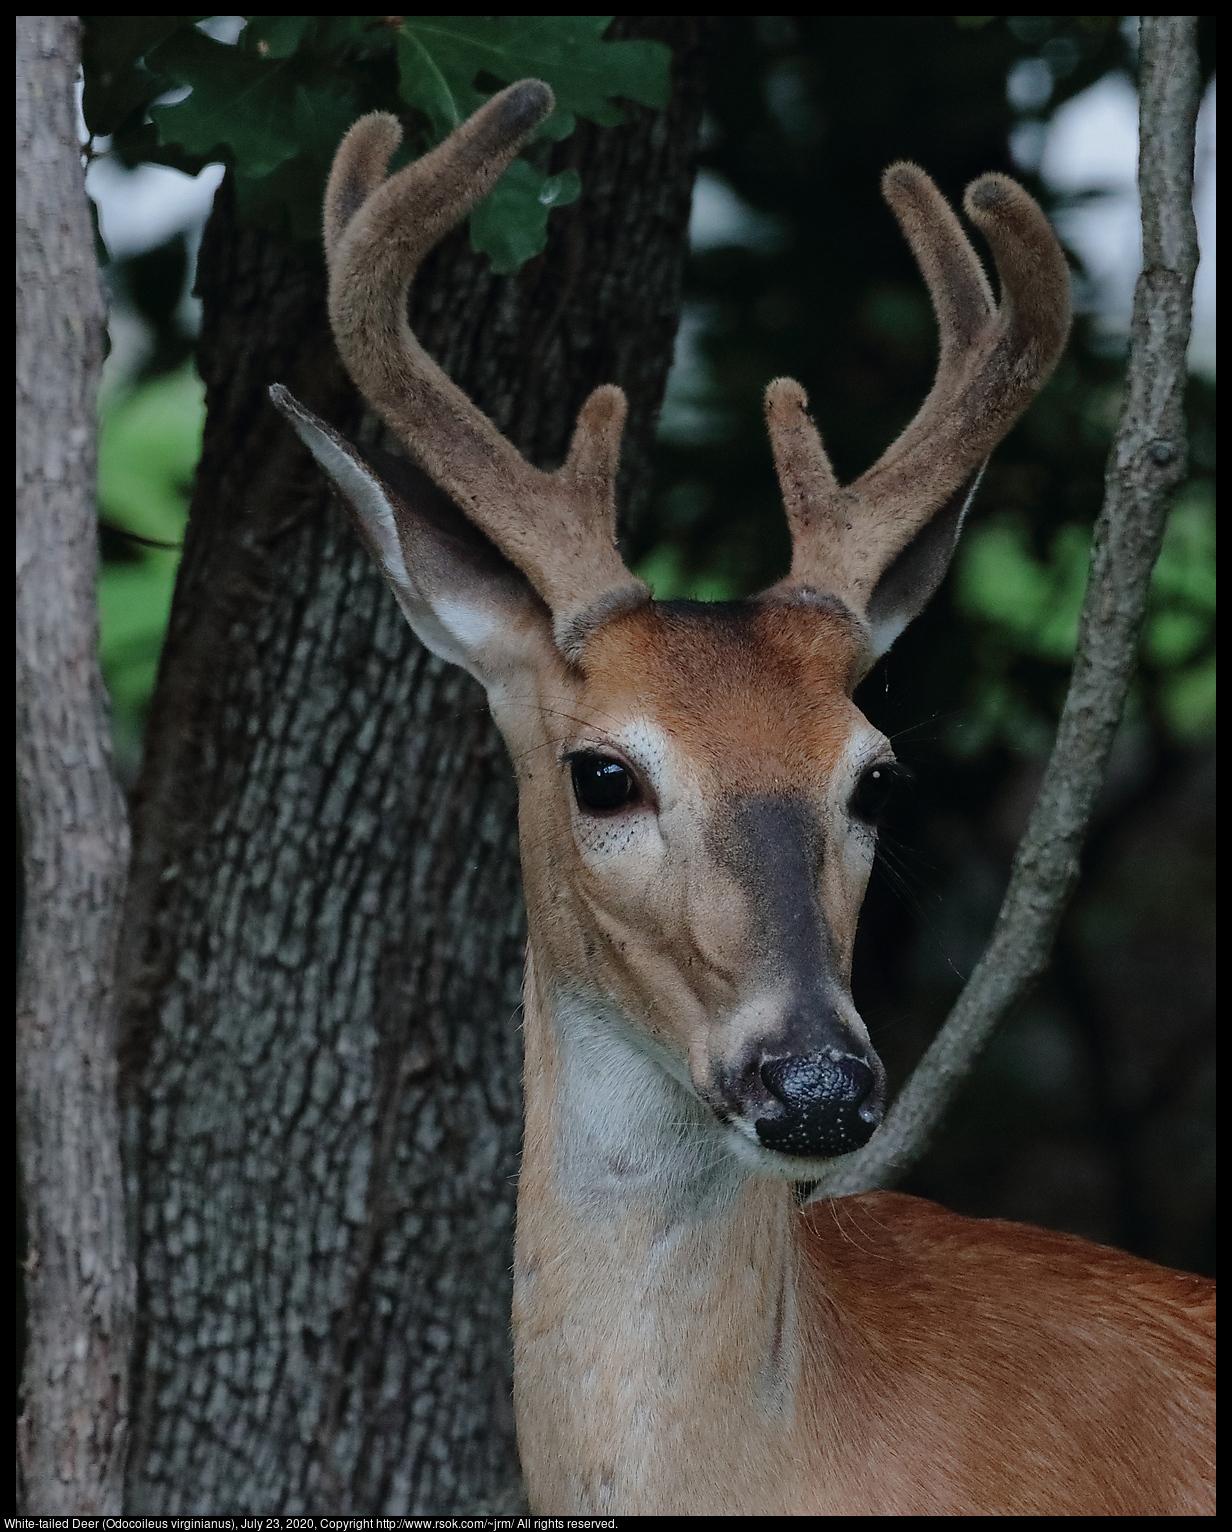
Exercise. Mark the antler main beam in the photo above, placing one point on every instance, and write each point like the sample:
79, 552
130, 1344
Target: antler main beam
558, 528
993, 360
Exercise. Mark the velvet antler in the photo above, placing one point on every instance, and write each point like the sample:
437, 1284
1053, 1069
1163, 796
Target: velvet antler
993, 360
558, 528
880, 545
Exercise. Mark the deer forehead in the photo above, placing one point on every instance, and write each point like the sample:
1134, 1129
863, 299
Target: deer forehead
734, 698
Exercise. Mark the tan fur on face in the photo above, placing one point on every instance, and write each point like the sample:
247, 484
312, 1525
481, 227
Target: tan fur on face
758, 702
711, 706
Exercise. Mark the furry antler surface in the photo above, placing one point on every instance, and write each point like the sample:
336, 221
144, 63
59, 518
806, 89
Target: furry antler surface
993, 360
559, 528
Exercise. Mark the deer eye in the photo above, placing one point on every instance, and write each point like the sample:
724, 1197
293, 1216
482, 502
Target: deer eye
873, 792
601, 784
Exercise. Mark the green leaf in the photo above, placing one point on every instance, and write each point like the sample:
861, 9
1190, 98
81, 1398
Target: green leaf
1189, 702
275, 37
116, 79
422, 83
276, 122
356, 36
238, 102
449, 65
1186, 569
275, 106
1032, 607
510, 225
327, 37
149, 443
663, 569
1035, 603
263, 113
1180, 629
440, 58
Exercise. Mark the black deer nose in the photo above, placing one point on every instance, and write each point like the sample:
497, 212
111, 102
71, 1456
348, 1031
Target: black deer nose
827, 1104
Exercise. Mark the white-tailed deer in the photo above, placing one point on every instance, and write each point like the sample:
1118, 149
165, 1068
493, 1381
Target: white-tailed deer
698, 802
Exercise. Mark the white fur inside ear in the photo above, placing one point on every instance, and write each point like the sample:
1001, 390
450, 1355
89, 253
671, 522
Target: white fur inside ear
468, 611
907, 586
470, 625
365, 495
446, 635
884, 634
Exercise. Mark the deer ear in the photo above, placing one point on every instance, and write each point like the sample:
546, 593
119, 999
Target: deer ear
459, 593
908, 585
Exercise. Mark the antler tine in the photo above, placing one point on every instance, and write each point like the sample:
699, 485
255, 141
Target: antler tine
559, 529
359, 167
962, 298
993, 360
811, 495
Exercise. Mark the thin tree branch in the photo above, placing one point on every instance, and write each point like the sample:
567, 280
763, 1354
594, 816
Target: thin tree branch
1148, 460
78, 1275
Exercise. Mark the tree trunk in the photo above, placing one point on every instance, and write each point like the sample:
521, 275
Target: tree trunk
321, 1056
74, 828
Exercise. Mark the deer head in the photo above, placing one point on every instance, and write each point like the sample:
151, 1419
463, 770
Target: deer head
698, 791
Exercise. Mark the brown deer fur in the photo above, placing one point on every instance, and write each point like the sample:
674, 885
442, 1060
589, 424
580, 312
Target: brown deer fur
686, 1338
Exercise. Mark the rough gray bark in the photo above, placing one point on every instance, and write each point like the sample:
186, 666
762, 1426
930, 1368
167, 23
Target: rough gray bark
321, 1057
1147, 462
79, 1284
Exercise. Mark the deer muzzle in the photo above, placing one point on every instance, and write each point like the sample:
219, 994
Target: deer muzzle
805, 1077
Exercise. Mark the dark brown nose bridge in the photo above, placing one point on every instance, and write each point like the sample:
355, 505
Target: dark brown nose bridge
808, 1083
774, 847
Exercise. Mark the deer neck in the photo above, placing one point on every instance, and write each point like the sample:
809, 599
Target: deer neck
655, 1309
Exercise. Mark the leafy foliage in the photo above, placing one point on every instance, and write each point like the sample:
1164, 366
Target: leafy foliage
274, 104
1025, 603
149, 443
440, 58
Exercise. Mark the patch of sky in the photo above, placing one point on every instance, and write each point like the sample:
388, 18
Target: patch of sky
1088, 153
223, 29
721, 219
692, 413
